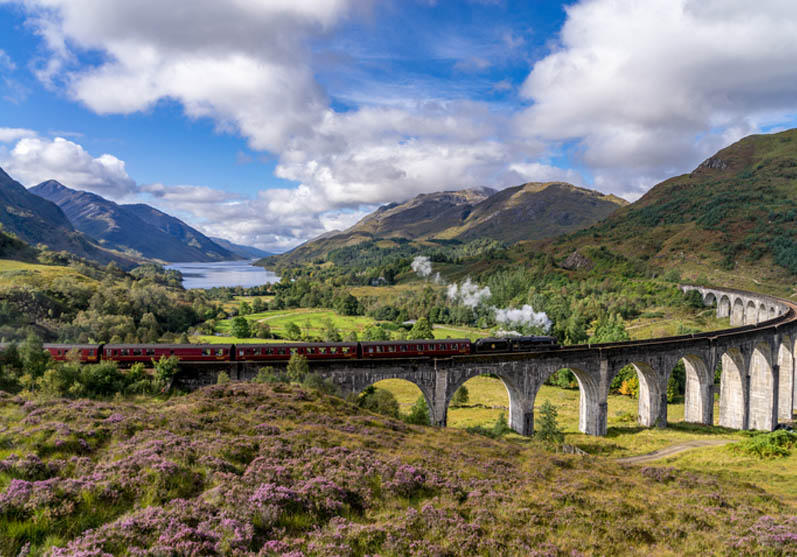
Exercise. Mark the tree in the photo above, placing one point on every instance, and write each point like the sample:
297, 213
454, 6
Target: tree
262, 330
421, 330
549, 431
331, 332
297, 368
375, 332
610, 328
419, 413
347, 305
460, 397
292, 331
240, 327
258, 305
35, 359
244, 308
165, 370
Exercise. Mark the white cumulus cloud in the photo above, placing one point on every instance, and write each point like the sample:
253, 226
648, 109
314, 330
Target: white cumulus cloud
34, 160
648, 89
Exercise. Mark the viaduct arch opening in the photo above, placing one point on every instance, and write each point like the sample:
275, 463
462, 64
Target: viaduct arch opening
733, 399
763, 397
489, 396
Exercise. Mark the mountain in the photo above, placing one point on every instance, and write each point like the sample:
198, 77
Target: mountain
130, 228
425, 215
181, 231
247, 252
35, 220
529, 211
734, 215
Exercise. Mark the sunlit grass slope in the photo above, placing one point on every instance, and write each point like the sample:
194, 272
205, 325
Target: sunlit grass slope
247, 469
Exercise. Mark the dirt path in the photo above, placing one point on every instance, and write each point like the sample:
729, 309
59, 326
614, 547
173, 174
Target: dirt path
674, 449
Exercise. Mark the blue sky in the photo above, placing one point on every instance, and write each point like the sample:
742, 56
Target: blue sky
271, 122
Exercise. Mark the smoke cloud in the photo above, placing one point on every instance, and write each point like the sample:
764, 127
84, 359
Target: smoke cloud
422, 265
523, 317
471, 295
468, 293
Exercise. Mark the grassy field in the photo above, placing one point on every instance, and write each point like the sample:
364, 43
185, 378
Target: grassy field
488, 399
313, 322
13, 273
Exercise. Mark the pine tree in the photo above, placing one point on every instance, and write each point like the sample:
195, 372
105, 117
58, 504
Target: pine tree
549, 431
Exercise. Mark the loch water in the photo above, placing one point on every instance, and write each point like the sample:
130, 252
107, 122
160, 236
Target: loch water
223, 273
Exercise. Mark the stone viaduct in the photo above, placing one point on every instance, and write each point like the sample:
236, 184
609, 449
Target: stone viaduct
757, 384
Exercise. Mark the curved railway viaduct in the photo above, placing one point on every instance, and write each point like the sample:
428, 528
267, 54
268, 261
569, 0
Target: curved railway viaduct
757, 385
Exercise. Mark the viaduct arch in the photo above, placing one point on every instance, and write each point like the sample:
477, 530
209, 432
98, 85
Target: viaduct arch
757, 385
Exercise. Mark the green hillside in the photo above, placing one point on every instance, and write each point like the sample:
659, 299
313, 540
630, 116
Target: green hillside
732, 220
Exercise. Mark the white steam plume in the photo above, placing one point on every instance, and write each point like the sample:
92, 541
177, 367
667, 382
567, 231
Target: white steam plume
422, 265
525, 316
468, 293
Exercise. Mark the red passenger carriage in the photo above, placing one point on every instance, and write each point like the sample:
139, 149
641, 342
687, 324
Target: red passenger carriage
185, 352
415, 348
283, 351
84, 352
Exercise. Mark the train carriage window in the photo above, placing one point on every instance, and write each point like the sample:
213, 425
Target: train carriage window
333, 349
206, 352
345, 349
91, 352
171, 352
391, 348
370, 349
403, 347
378, 348
124, 351
150, 351
241, 352
220, 352
419, 347
310, 350
322, 350
136, 352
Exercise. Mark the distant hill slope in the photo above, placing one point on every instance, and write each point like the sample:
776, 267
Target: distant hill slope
247, 252
180, 230
529, 211
122, 227
35, 220
736, 212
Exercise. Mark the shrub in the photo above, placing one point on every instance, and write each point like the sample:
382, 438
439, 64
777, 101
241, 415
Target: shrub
461, 397
222, 378
165, 370
379, 401
419, 413
767, 445
297, 368
269, 375
315, 381
630, 387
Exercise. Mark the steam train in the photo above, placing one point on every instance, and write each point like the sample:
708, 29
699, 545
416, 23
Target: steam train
130, 353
